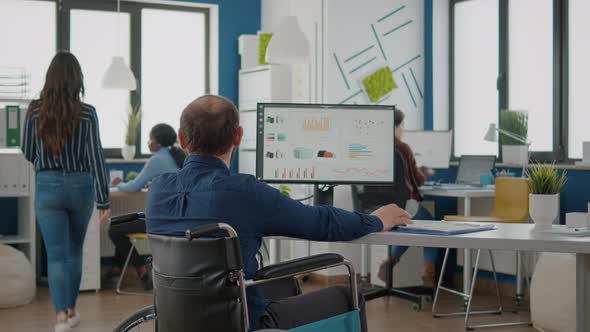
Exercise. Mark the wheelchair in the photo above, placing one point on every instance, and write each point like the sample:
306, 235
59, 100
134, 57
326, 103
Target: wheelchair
199, 284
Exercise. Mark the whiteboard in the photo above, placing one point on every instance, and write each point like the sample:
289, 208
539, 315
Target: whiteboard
431, 148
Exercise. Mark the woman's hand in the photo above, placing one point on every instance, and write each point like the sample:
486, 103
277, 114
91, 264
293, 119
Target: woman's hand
104, 215
428, 172
116, 181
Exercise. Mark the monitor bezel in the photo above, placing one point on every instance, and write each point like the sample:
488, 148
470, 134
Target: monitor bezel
260, 142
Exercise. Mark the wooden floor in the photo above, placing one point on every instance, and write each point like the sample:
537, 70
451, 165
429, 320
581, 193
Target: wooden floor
101, 311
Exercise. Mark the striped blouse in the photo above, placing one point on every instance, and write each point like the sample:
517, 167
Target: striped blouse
82, 151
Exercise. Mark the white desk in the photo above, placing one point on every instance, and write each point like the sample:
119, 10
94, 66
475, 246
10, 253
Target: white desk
467, 195
508, 237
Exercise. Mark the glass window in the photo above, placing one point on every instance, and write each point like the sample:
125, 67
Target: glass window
475, 73
173, 69
26, 47
579, 71
95, 37
531, 67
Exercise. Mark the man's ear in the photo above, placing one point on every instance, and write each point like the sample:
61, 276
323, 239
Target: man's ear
238, 138
181, 140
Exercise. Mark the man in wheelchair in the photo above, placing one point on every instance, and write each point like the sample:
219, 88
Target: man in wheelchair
205, 190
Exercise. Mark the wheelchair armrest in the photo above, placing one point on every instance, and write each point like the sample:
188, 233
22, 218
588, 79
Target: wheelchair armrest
200, 231
298, 266
127, 217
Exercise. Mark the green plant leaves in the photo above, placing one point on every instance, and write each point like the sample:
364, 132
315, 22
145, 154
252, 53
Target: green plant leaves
545, 179
285, 190
133, 123
515, 123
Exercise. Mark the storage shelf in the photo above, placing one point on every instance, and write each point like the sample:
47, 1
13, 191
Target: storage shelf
14, 239
19, 195
15, 150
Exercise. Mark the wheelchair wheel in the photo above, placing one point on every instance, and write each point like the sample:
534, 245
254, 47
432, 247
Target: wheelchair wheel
137, 321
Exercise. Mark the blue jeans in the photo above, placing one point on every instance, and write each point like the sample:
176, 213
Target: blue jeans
64, 204
430, 254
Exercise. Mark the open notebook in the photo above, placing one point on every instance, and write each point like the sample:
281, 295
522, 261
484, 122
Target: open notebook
437, 227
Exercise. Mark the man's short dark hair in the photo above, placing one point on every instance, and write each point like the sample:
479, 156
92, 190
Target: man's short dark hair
209, 125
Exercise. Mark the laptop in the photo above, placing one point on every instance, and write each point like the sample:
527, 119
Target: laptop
470, 169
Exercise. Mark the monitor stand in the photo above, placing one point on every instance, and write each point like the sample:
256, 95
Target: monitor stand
323, 195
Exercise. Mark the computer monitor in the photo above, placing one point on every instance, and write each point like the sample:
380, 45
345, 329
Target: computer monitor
431, 148
324, 144
471, 167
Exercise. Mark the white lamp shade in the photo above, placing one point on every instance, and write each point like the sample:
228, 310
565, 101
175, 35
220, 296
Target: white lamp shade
288, 45
119, 76
491, 134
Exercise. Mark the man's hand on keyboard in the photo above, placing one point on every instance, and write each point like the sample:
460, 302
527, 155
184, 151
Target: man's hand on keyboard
392, 216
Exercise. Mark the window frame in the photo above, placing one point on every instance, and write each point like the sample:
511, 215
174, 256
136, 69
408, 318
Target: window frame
134, 9
560, 130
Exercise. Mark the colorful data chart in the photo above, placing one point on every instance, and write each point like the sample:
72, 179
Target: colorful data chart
366, 127
360, 171
303, 153
325, 154
357, 150
270, 136
275, 119
299, 173
321, 124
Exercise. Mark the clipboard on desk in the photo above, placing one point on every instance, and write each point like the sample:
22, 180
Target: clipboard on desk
443, 228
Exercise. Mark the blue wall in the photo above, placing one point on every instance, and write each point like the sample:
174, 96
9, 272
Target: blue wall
236, 17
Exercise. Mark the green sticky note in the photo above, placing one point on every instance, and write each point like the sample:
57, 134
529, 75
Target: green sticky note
379, 84
263, 40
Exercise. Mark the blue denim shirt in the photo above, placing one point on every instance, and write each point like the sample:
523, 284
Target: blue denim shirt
204, 189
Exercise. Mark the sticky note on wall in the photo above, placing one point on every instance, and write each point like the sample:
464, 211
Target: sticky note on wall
379, 84
263, 40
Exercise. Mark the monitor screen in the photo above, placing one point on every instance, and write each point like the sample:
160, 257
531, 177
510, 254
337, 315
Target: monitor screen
324, 144
431, 148
472, 167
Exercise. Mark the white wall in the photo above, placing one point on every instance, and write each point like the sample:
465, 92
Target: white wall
440, 58
271, 12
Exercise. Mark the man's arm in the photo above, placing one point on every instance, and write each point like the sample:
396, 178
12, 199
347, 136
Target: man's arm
279, 215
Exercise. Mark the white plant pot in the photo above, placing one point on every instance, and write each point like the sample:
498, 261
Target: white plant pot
515, 154
543, 209
128, 152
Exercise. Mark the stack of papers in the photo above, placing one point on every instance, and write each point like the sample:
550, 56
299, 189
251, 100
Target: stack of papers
443, 228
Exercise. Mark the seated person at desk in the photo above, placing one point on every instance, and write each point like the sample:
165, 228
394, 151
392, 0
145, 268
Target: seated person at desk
204, 191
415, 177
166, 158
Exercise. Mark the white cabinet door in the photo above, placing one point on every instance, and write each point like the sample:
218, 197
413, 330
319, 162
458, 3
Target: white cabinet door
91, 255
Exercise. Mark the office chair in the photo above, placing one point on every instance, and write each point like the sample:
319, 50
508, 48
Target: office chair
133, 238
511, 205
366, 199
199, 284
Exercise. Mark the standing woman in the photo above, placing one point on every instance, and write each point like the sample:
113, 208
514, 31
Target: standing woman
61, 138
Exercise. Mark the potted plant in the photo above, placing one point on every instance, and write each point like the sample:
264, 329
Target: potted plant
285, 190
545, 183
132, 124
514, 151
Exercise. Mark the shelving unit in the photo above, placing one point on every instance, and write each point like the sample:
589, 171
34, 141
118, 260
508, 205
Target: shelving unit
268, 83
17, 180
